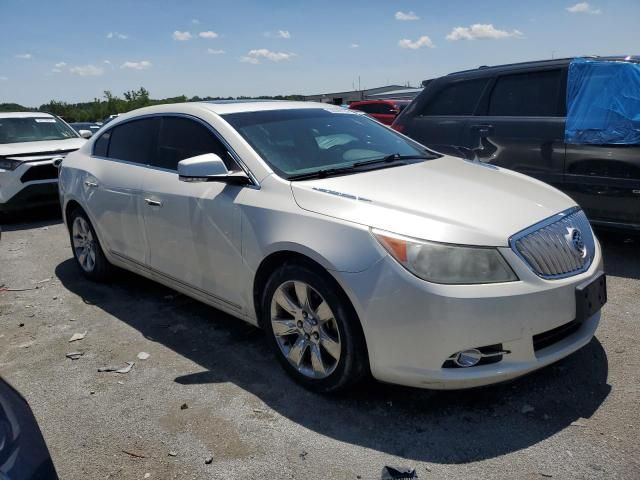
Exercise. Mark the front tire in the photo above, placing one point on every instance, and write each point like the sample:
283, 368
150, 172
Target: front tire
313, 329
86, 248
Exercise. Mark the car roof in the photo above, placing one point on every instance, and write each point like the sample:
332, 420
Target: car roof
556, 62
24, 115
226, 107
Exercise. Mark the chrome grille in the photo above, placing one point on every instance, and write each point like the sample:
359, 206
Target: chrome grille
558, 247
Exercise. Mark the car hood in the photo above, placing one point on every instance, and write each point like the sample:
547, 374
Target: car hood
49, 146
446, 200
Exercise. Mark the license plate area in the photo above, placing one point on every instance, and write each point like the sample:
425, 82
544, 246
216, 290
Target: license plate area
590, 297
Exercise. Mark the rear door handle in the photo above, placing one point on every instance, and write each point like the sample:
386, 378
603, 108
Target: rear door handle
152, 202
90, 184
483, 130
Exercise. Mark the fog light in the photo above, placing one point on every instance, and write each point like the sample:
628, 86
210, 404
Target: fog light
467, 358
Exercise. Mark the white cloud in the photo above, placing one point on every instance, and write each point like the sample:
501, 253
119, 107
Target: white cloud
60, 65
207, 34
87, 70
24, 56
481, 31
408, 16
195, 21
142, 65
354, 45
286, 34
423, 41
251, 60
107, 62
215, 51
118, 35
254, 56
584, 7
182, 36
3, 78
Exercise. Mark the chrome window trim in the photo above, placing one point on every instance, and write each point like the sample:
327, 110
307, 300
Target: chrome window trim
540, 225
234, 155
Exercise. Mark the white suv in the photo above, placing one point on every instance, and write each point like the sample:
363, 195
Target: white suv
29, 144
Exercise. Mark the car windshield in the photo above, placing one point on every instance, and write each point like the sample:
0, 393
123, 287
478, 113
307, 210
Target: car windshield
297, 142
33, 129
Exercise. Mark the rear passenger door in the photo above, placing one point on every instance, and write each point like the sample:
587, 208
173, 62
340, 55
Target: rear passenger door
444, 114
605, 181
113, 186
521, 126
193, 229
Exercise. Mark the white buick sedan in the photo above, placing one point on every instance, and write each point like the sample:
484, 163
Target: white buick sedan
356, 249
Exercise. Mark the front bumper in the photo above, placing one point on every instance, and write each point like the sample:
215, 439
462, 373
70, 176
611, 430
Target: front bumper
412, 327
32, 184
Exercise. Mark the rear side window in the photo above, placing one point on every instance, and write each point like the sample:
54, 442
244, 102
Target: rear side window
365, 107
134, 141
101, 146
182, 138
460, 98
532, 94
385, 108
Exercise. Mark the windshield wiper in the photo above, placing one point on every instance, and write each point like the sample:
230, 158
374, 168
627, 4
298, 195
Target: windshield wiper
327, 172
394, 157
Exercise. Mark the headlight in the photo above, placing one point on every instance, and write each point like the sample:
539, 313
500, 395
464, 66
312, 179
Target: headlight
445, 263
6, 164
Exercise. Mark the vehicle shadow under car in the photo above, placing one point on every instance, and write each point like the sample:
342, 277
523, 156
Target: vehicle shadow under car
421, 425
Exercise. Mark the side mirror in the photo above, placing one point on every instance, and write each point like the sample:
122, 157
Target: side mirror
85, 133
209, 168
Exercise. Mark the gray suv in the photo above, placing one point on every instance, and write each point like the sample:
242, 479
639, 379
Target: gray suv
515, 116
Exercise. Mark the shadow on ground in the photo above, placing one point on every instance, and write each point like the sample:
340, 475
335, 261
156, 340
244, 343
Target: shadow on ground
621, 254
30, 219
441, 427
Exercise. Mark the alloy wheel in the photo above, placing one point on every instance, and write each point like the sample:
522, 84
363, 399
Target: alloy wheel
84, 244
305, 329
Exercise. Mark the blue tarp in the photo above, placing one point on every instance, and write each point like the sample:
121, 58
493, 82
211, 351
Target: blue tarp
603, 102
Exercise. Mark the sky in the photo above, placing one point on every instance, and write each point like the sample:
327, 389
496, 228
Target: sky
74, 50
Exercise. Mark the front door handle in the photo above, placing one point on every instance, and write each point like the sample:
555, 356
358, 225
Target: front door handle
90, 184
152, 202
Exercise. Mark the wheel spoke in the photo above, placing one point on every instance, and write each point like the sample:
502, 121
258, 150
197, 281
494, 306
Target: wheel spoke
91, 259
82, 256
323, 313
330, 345
285, 301
283, 327
302, 292
297, 351
316, 361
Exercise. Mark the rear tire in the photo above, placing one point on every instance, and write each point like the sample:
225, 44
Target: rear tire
86, 248
313, 329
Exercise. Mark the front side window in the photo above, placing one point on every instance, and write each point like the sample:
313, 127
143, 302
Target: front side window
182, 138
33, 129
303, 141
531, 94
134, 141
459, 98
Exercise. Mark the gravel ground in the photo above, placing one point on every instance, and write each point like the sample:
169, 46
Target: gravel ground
576, 419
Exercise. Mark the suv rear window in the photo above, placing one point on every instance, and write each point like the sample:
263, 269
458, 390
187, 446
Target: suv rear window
531, 94
459, 98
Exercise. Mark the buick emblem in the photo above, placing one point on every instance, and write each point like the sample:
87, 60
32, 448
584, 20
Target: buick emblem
574, 238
